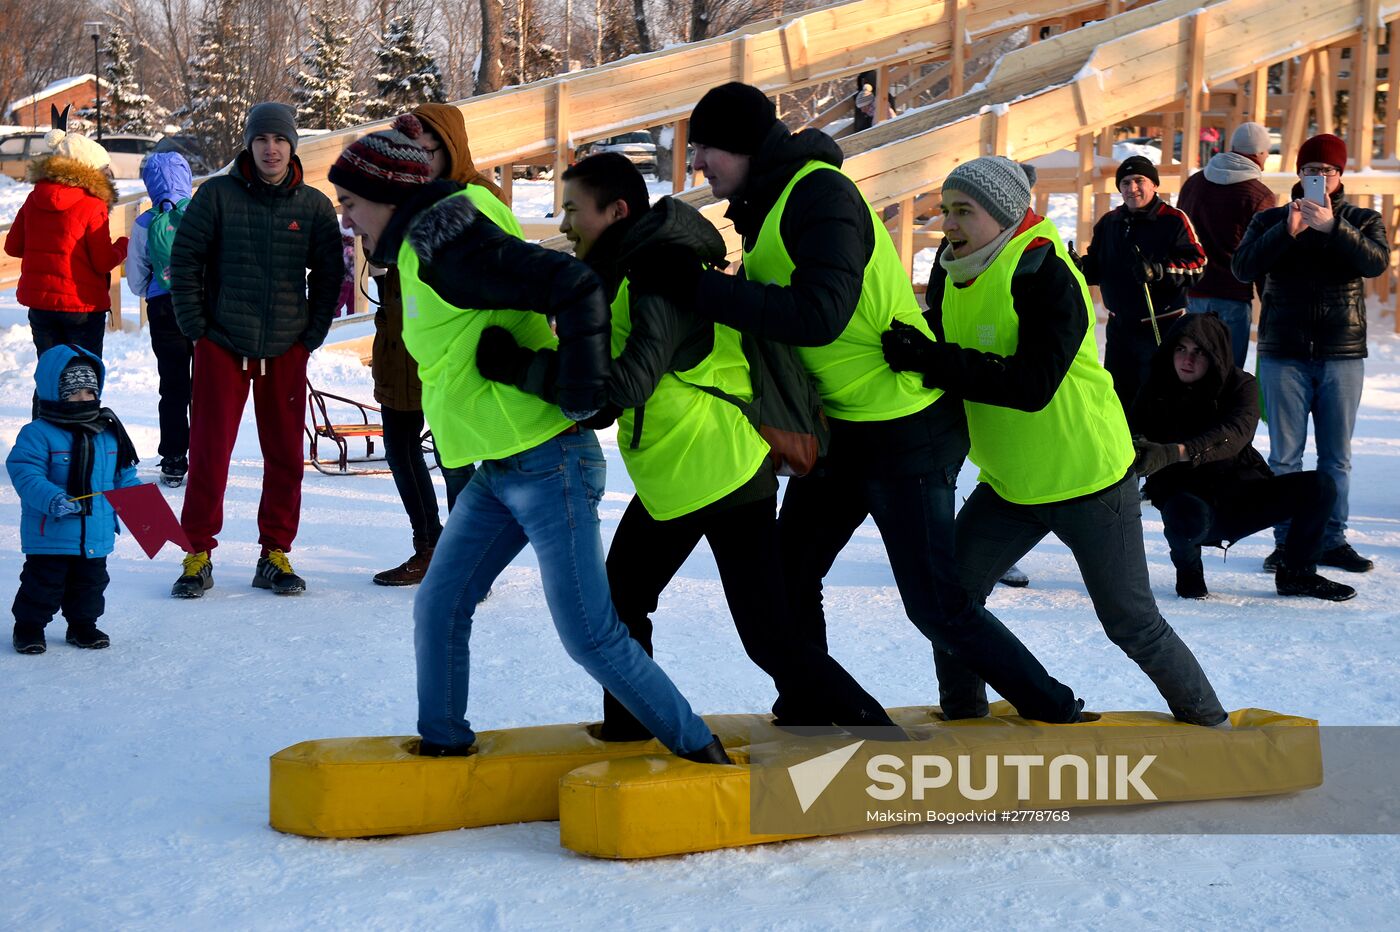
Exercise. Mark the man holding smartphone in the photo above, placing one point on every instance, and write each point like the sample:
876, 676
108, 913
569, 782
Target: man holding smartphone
1313, 259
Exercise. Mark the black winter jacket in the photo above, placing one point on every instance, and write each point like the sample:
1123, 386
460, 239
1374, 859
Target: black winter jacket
1314, 304
473, 264
1162, 234
240, 261
827, 231
1215, 417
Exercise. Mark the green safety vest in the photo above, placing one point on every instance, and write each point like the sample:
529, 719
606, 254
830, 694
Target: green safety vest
1078, 443
855, 382
693, 448
472, 418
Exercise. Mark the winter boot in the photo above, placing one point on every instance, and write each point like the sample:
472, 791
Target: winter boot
1344, 558
429, 749
1015, 578
712, 753
172, 470
1274, 560
408, 573
29, 639
275, 573
196, 576
88, 636
1306, 582
1191, 583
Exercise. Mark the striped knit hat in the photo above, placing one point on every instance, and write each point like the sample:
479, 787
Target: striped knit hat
1000, 185
385, 167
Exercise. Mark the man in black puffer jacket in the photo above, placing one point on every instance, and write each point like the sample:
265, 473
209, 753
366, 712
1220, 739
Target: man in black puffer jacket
1198, 412
242, 293
1313, 261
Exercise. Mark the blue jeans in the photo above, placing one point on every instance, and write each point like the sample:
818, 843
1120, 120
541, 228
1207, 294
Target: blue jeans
1329, 390
547, 496
1236, 315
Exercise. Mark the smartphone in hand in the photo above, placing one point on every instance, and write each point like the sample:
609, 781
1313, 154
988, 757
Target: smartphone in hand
1315, 189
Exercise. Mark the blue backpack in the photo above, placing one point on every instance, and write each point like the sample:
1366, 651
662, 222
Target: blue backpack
160, 237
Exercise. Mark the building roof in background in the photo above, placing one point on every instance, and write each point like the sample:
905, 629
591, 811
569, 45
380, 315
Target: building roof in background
56, 87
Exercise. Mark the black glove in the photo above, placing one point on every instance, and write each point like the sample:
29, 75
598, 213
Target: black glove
1075, 257
906, 348
1153, 456
1147, 271
604, 418
500, 358
669, 270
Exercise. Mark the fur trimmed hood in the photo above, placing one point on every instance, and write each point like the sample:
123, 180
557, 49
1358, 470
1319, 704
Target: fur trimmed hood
65, 171
440, 224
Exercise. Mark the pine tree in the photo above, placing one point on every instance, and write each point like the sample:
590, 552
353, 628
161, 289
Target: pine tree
325, 94
219, 81
406, 73
127, 110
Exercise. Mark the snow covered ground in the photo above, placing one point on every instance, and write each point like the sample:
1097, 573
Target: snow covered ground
133, 785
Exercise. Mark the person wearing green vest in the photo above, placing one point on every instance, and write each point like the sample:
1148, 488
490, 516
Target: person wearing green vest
1015, 342
541, 475
821, 274
700, 468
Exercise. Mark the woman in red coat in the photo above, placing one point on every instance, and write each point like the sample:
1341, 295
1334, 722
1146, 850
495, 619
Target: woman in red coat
64, 240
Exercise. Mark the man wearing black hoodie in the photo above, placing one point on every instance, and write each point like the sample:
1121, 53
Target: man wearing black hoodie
1199, 411
821, 274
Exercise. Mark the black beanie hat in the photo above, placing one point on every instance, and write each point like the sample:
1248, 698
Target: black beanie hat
734, 117
1136, 165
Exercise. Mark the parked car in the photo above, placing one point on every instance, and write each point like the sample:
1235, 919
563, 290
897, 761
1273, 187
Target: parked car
17, 150
637, 147
127, 151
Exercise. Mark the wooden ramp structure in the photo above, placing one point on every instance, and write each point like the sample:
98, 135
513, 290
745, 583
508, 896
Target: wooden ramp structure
1090, 66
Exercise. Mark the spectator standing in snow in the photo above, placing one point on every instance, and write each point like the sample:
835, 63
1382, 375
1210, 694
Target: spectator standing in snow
1015, 328
1143, 256
1220, 200
1199, 411
61, 463
242, 293
169, 183
63, 239
1314, 260
457, 249
821, 273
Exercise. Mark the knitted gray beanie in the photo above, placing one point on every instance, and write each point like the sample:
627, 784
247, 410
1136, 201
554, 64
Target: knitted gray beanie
998, 184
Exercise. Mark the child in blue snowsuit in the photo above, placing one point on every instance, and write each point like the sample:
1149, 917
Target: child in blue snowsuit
60, 464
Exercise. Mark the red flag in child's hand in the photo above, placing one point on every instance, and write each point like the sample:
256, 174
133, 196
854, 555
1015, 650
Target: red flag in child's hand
148, 517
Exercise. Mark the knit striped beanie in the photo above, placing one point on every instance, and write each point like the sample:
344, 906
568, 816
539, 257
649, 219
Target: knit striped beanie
1000, 185
385, 167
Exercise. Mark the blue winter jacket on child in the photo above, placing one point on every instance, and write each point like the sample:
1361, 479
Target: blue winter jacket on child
38, 467
168, 181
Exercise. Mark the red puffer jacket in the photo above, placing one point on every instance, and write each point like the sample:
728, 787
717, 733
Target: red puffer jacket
62, 236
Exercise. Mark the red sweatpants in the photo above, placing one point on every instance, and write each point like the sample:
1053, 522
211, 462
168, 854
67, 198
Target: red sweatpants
216, 406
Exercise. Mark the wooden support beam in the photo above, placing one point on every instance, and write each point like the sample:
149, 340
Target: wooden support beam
882, 95
1296, 125
958, 56
1195, 75
563, 153
679, 143
1363, 69
794, 36
1325, 68
508, 184
995, 130
743, 60
904, 242
1084, 184
361, 282
1259, 96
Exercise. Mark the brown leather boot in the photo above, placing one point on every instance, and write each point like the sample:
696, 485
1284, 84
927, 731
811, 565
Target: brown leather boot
408, 573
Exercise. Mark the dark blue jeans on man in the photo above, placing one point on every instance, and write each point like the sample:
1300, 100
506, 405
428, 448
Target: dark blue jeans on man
547, 497
915, 517
1104, 532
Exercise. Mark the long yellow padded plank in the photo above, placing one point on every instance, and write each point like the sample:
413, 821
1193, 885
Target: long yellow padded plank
362, 787
642, 807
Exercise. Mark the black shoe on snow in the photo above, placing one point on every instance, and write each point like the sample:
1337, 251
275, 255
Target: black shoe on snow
1191, 584
1288, 582
88, 637
172, 471
1274, 560
1344, 558
712, 753
429, 749
275, 573
1015, 578
196, 575
29, 640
